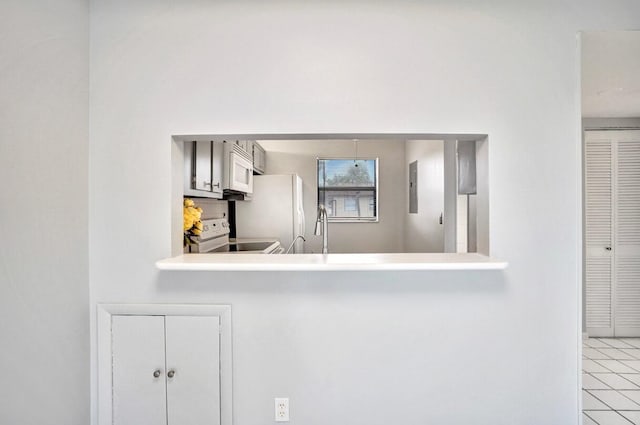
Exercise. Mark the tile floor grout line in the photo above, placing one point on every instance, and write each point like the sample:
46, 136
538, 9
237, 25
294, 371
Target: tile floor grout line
595, 361
629, 398
604, 354
628, 380
605, 342
597, 423
610, 408
601, 401
617, 339
612, 371
606, 348
615, 411
596, 378
585, 413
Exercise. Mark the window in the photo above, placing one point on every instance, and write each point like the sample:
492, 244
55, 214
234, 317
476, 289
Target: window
348, 188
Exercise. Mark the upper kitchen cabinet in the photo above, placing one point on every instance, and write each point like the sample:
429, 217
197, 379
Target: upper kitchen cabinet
203, 168
259, 158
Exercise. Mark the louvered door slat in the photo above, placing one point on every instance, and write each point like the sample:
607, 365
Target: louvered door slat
598, 227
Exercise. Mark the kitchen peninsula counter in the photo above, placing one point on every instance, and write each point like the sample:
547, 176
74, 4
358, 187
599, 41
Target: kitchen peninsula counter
330, 262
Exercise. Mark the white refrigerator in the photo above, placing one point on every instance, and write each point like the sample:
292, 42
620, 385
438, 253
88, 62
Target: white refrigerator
275, 210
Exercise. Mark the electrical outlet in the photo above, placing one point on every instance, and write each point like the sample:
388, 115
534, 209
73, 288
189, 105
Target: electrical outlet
282, 409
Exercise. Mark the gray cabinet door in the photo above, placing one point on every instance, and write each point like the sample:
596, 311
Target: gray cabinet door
202, 166
259, 158
217, 164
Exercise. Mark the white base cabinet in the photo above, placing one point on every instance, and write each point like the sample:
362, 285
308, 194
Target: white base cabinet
165, 369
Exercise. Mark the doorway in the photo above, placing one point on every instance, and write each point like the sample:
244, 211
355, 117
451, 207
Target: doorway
612, 233
610, 70
611, 184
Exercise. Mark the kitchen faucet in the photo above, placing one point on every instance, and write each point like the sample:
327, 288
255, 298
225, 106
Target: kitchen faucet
322, 228
294, 241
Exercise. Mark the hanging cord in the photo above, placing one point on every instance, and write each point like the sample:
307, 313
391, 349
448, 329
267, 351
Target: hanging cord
355, 160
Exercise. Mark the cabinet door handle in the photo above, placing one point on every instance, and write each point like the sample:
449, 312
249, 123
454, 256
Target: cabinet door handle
608, 248
156, 373
171, 373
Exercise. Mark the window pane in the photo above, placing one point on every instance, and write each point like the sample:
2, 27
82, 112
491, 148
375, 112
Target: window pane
346, 173
347, 188
349, 204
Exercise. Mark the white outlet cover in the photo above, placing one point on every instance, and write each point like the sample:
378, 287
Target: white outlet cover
282, 409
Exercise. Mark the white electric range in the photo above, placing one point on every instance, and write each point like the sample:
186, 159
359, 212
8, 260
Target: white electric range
215, 239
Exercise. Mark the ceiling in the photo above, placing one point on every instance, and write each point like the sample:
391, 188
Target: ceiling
611, 74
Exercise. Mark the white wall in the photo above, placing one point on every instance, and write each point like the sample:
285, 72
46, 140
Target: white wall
451, 197
462, 229
610, 77
423, 231
44, 288
481, 204
298, 156
411, 348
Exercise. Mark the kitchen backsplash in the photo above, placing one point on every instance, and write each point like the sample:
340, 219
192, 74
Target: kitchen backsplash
212, 208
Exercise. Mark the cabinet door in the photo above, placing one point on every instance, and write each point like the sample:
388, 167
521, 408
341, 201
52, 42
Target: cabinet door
193, 355
202, 166
139, 397
217, 165
263, 159
259, 158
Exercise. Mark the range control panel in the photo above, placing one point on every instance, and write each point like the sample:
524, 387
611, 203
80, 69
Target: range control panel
213, 228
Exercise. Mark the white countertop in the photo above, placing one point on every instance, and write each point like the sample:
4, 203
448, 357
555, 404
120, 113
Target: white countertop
330, 262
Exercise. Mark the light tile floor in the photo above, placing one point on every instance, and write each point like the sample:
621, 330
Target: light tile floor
611, 381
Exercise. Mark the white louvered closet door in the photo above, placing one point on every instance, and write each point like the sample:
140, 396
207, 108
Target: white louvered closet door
626, 249
598, 235
612, 233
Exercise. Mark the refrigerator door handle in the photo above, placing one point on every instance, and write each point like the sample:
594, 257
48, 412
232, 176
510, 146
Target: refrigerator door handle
301, 221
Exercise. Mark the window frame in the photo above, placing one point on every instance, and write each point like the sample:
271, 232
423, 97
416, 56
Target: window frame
376, 189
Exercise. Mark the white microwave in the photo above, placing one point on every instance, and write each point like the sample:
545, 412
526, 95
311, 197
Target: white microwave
238, 168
